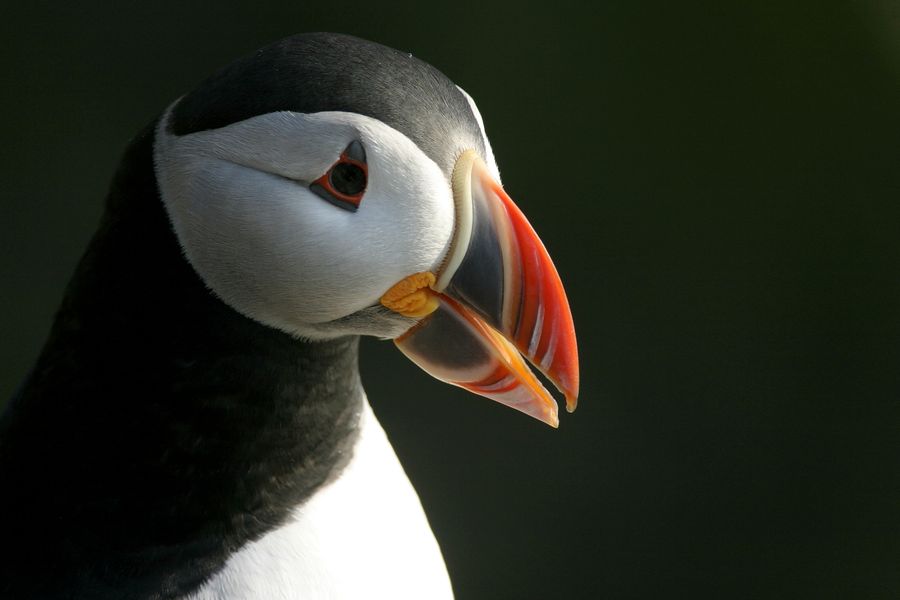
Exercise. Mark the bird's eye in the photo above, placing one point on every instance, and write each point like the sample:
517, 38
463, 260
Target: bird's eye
345, 182
348, 178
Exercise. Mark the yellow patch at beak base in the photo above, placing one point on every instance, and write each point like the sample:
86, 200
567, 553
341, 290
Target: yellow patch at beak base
412, 295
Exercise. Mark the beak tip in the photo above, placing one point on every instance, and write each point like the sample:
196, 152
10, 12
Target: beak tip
552, 420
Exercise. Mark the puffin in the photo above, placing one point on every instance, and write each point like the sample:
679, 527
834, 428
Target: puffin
195, 426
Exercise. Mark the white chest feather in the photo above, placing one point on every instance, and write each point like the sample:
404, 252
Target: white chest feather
362, 536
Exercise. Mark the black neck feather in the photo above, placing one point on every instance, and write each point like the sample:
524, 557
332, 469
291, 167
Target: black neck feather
160, 430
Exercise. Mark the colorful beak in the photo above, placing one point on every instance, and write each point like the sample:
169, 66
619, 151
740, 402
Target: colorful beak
497, 297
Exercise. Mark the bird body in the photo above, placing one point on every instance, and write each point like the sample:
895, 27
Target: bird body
319, 552
195, 426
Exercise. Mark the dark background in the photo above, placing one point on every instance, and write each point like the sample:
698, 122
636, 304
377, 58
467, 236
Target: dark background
718, 185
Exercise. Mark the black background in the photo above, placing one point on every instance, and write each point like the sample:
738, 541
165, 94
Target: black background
718, 185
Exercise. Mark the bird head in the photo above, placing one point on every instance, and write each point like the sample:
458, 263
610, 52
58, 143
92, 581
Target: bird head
327, 186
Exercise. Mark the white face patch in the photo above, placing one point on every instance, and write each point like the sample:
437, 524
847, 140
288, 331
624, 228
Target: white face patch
239, 201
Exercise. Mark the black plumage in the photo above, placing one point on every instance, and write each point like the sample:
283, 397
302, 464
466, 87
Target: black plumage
319, 72
159, 430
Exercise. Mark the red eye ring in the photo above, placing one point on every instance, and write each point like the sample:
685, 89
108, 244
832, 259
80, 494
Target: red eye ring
345, 182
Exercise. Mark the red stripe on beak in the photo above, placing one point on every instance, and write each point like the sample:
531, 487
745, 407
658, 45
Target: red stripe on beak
543, 329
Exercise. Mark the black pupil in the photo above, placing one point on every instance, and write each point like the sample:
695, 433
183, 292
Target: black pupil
348, 179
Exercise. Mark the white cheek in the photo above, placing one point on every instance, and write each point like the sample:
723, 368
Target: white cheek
276, 252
